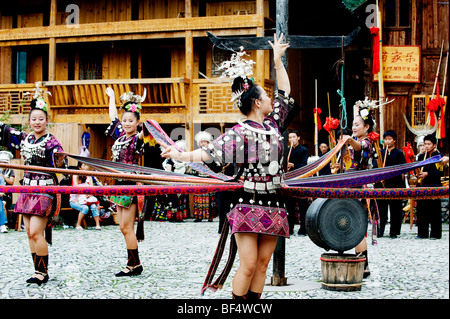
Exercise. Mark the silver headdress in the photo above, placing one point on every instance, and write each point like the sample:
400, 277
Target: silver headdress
38, 92
420, 131
234, 68
363, 108
130, 96
39, 96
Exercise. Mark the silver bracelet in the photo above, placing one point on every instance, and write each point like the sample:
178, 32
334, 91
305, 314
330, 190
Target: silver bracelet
278, 67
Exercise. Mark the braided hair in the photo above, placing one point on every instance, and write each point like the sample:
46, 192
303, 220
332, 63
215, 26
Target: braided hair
250, 93
39, 104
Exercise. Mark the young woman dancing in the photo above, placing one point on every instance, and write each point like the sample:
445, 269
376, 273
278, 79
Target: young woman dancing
255, 147
127, 148
37, 149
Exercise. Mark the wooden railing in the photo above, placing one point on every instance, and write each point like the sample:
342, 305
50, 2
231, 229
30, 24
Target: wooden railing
144, 27
214, 98
86, 101
13, 99
163, 92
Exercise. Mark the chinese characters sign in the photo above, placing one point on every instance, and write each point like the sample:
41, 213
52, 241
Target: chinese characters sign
400, 64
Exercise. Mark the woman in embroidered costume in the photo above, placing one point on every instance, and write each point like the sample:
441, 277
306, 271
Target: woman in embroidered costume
37, 149
255, 148
360, 156
127, 148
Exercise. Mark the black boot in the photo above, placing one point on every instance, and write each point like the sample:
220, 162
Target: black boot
366, 264
253, 295
134, 266
33, 256
41, 266
236, 297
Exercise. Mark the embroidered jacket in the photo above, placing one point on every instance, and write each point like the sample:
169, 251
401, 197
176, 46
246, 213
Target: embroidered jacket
257, 151
125, 150
34, 152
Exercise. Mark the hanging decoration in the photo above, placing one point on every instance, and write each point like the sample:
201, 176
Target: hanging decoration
374, 31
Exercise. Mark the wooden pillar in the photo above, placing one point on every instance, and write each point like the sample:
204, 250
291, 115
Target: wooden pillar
279, 255
189, 74
52, 44
260, 61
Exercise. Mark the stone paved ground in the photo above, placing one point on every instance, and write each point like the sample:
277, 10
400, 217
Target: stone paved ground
176, 257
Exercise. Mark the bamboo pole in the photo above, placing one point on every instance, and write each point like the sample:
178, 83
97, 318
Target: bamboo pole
380, 73
442, 113
437, 71
279, 255
316, 129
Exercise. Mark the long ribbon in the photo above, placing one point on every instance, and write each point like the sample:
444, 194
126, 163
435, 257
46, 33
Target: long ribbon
126, 176
311, 169
128, 190
375, 193
359, 178
152, 190
349, 179
160, 136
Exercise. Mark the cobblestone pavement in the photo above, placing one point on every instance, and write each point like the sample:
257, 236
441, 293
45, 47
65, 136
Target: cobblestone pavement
176, 258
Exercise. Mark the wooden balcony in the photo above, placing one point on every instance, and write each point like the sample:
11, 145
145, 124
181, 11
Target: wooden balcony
211, 102
141, 29
15, 102
85, 101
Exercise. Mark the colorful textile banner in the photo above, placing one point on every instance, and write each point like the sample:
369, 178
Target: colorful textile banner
303, 192
359, 178
376, 193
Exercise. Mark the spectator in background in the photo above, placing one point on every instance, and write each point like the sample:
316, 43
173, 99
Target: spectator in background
297, 157
429, 210
84, 203
391, 156
7, 177
420, 147
323, 147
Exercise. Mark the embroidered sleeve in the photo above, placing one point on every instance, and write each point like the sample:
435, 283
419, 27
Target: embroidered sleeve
54, 146
115, 129
10, 137
139, 146
285, 109
366, 149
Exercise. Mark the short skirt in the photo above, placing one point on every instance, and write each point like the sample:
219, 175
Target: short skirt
34, 204
123, 200
259, 213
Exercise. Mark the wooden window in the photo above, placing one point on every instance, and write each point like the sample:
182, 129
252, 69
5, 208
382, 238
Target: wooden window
156, 62
419, 109
90, 67
20, 76
397, 14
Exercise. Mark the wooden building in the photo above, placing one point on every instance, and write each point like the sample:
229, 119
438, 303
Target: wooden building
78, 47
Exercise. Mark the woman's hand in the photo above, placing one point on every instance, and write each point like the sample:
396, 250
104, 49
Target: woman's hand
279, 48
169, 151
278, 51
110, 92
112, 103
422, 175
